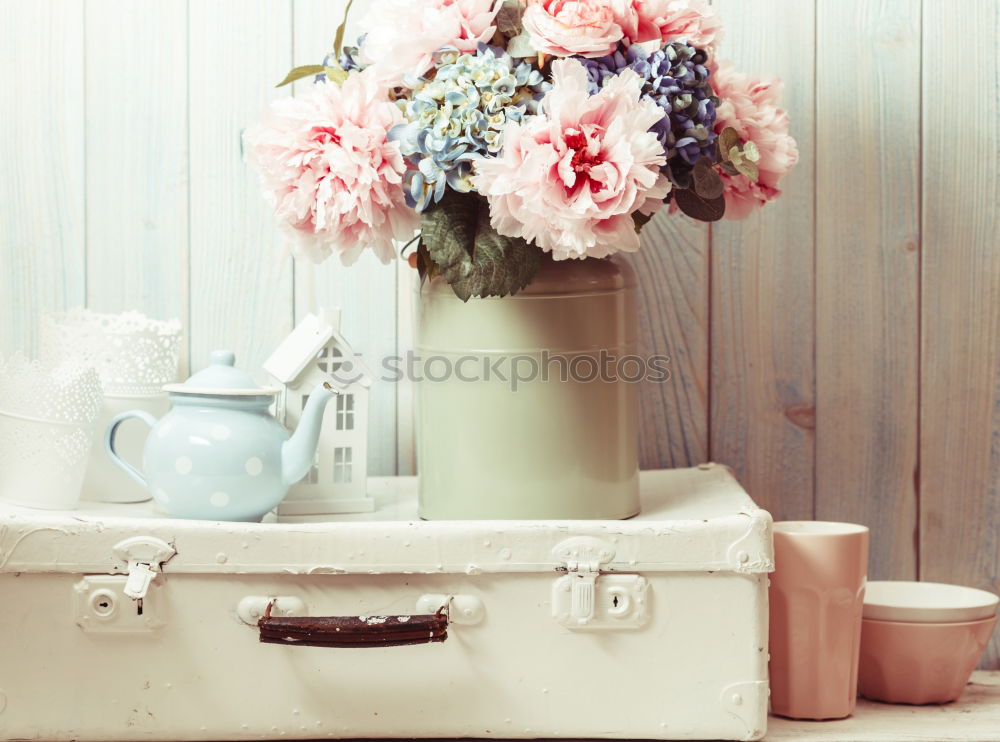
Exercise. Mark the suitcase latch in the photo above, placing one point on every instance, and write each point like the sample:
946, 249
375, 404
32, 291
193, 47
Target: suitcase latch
586, 598
141, 557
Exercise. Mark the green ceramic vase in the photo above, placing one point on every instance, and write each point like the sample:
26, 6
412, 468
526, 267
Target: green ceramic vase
516, 418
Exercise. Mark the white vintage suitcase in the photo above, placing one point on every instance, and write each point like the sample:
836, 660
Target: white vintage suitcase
653, 627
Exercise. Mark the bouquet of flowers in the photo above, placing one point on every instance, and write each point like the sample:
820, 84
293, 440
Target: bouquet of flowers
502, 129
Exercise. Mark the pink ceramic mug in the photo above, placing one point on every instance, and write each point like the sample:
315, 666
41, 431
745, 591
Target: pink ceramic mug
817, 595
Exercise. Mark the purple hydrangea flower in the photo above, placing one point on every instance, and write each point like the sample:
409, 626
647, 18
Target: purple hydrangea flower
676, 79
348, 60
349, 56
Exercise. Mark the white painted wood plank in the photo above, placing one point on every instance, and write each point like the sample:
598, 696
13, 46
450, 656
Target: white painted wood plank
673, 267
975, 717
137, 164
42, 159
960, 356
763, 373
366, 291
867, 273
241, 283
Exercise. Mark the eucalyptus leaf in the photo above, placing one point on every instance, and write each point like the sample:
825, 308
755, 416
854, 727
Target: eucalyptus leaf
726, 141
299, 72
696, 207
729, 168
338, 39
509, 18
748, 169
707, 183
737, 157
680, 176
469, 254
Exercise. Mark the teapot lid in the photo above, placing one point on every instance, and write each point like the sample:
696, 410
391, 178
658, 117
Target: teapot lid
221, 378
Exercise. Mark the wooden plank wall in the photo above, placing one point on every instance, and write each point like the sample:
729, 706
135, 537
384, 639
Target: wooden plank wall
960, 299
841, 351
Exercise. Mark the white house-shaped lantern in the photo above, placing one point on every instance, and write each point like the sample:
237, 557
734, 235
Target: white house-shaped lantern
316, 352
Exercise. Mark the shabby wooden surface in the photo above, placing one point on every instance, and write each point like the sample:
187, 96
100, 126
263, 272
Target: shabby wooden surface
841, 350
867, 273
763, 282
673, 272
975, 717
136, 128
960, 338
241, 289
42, 156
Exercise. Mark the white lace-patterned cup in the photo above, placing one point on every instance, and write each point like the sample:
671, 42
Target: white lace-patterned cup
47, 417
134, 356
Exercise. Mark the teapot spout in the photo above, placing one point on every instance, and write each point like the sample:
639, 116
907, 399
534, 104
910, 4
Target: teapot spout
299, 452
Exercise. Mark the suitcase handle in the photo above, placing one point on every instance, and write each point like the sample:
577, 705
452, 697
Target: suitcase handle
353, 631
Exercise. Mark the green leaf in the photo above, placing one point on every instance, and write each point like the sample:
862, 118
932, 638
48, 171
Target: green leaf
338, 39
426, 267
335, 74
470, 255
509, 18
299, 72
696, 207
707, 183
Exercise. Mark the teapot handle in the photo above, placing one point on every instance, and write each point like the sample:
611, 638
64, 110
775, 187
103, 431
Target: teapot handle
109, 442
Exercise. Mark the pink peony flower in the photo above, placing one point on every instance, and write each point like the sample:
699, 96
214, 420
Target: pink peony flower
401, 36
563, 28
570, 178
750, 107
662, 21
329, 171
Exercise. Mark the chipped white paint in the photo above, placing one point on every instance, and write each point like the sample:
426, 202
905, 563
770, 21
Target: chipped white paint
494, 577
252, 607
674, 533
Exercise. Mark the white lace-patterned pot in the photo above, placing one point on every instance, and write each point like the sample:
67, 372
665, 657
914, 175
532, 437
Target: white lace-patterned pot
134, 356
47, 417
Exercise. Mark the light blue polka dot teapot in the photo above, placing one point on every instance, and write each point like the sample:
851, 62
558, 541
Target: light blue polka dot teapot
219, 454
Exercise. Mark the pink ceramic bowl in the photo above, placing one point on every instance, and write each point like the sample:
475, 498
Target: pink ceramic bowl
919, 662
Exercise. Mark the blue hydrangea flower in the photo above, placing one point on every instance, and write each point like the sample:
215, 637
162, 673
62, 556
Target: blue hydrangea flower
456, 114
676, 78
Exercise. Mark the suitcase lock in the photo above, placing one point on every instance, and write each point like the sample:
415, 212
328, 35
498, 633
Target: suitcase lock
586, 598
